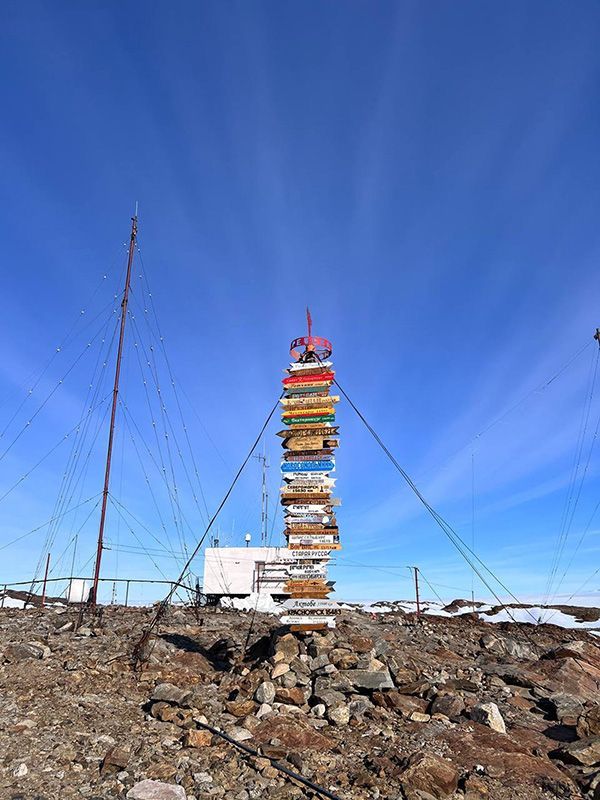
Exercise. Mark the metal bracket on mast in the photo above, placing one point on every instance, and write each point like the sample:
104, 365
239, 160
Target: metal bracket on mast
111, 433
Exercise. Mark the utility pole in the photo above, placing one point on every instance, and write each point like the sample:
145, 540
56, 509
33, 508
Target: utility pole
43, 603
111, 433
416, 573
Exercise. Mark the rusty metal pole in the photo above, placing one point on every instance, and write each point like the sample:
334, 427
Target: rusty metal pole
416, 569
111, 433
45, 581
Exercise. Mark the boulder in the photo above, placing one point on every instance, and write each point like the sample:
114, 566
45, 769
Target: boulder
196, 737
450, 705
287, 646
588, 723
339, 715
429, 775
565, 708
329, 698
265, 693
368, 680
156, 790
22, 651
488, 714
585, 752
294, 734
280, 669
294, 696
168, 693
240, 708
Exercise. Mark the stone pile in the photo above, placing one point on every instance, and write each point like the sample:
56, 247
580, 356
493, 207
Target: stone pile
392, 707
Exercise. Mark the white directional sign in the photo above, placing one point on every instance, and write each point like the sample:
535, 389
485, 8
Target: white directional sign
308, 604
308, 620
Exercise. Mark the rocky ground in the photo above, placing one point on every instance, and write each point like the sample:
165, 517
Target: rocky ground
387, 706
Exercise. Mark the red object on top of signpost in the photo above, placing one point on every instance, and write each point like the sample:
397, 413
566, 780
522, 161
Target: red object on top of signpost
321, 347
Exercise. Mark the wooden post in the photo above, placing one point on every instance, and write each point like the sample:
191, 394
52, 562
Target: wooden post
43, 603
4, 594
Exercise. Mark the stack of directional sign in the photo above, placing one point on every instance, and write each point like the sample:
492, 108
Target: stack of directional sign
309, 442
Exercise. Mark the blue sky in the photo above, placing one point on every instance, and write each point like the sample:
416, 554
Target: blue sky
425, 176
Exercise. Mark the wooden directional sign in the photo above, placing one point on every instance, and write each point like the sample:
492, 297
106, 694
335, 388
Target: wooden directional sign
310, 430
308, 508
303, 443
293, 546
288, 557
303, 402
311, 538
308, 466
308, 412
307, 605
304, 420
305, 494
307, 570
319, 376
311, 527
305, 620
298, 366
309, 455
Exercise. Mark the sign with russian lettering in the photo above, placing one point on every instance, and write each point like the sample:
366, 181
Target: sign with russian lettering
308, 466
304, 443
311, 538
307, 604
304, 420
307, 620
296, 379
311, 430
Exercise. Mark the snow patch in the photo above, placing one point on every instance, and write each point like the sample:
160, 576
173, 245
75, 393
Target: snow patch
256, 601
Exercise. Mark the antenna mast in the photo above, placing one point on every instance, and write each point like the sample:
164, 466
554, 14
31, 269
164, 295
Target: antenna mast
264, 499
111, 433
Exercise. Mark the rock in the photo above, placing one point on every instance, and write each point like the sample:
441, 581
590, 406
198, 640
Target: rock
293, 733
240, 708
197, 737
343, 659
450, 705
368, 680
585, 752
429, 775
339, 715
287, 646
264, 710
169, 693
418, 716
20, 652
319, 710
359, 706
265, 693
20, 771
329, 698
566, 708
319, 661
115, 760
239, 734
404, 704
156, 790
294, 696
588, 723
488, 714
280, 669
361, 644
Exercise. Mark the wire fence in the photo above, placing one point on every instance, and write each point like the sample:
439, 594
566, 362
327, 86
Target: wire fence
74, 590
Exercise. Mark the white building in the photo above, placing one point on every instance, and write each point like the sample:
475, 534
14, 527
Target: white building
239, 571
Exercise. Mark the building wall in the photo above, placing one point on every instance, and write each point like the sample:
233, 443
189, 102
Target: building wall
243, 570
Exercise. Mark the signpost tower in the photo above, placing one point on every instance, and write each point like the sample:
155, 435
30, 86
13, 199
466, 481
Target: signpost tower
309, 442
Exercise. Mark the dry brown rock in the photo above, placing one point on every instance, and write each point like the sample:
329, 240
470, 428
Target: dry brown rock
429, 773
294, 734
293, 696
197, 737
